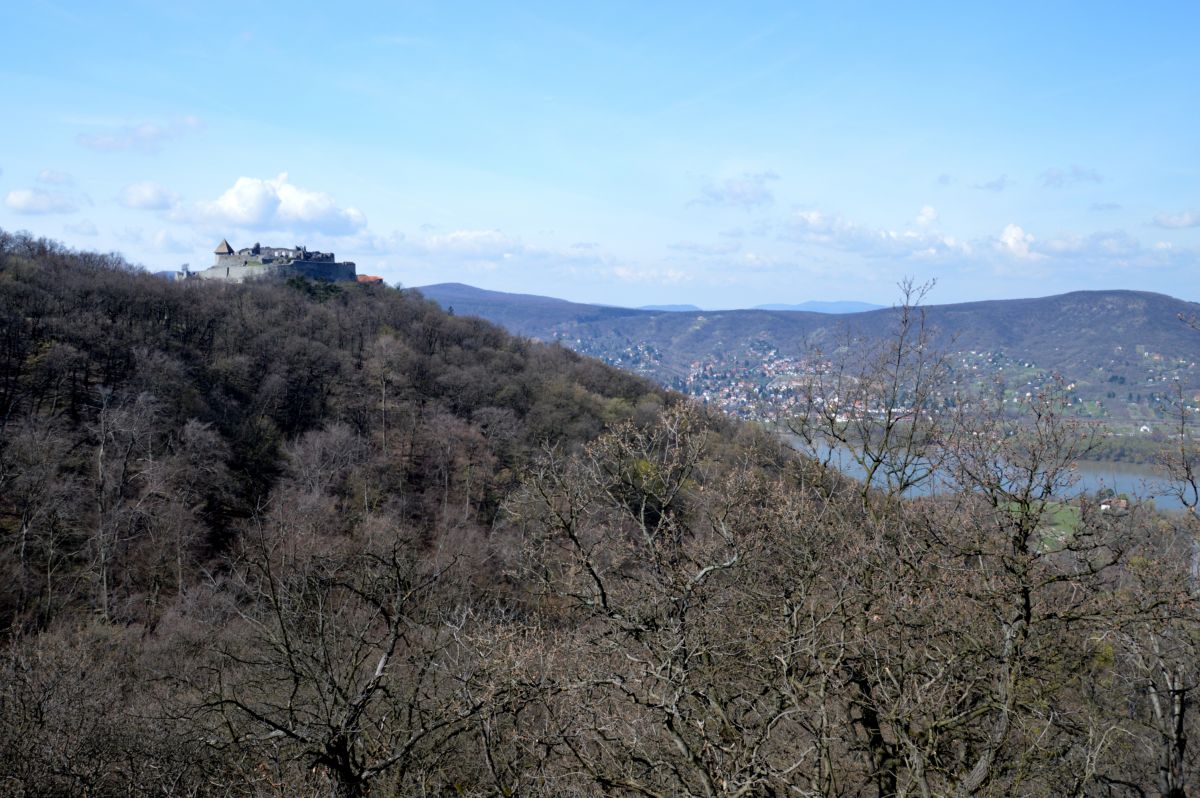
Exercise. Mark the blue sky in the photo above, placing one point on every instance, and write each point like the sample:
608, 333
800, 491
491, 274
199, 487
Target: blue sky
634, 153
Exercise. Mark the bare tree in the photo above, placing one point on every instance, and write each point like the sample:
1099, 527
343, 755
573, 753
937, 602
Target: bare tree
44, 503
682, 677
881, 403
342, 661
124, 448
1181, 459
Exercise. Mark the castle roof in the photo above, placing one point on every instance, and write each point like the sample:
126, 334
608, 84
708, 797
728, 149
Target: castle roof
223, 248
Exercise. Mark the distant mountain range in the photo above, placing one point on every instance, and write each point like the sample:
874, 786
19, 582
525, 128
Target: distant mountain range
671, 308
1130, 344
811, 307
836, 308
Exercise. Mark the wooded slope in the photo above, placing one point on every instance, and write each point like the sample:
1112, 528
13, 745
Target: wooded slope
311, 540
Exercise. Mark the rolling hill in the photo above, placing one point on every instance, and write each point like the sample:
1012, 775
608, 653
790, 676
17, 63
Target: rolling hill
824, 307
1118, 346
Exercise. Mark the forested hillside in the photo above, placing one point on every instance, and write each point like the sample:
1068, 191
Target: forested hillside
126, 400
1120, 349
1080, 331
306, 540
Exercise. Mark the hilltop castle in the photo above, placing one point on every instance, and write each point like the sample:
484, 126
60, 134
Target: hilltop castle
257, 262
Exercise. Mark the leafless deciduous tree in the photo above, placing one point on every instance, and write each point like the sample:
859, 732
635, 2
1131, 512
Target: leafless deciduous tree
882, 403
339, 661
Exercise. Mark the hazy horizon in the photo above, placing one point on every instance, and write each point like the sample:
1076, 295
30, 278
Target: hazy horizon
717, 308
625, 155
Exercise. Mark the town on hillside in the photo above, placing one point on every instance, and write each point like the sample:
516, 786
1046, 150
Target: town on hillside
763, 383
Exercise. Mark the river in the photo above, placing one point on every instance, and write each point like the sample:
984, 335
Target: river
1142, 482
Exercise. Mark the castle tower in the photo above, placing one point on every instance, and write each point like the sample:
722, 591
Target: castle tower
222, 249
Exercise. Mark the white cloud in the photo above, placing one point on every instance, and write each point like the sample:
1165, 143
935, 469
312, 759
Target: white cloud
491, 248
749, 190
1061, 178
475, 243
822, 225
278, 205
1111, 246
55, 177
139, 136
1013, 250
1016, 242
440, 254
473, 249
1103, 244
927, 216
37, 202
630, 274
249, 202
148, 196
696, 248
835, 231
1177, 221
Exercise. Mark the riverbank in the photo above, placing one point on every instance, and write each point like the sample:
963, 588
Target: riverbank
1141, 482
1135, 449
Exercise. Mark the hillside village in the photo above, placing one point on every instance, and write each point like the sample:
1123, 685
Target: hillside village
765, 384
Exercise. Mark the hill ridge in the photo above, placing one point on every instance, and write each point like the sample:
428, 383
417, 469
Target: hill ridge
1097, 339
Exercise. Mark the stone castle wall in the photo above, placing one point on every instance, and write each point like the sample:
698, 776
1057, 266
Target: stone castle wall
237, 273
324, 270
234, 271
260, 263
